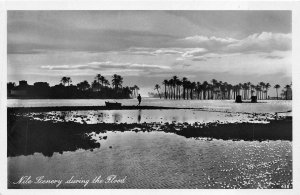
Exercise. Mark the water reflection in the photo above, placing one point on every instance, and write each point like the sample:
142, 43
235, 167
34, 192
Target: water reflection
150, 116
139, 116
26, 138
117, 117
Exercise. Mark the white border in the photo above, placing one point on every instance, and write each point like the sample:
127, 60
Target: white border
149, 5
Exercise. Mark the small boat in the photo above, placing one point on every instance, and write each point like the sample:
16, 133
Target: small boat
113, 104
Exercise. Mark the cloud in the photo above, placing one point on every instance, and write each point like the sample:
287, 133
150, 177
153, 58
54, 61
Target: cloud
154, 51
62, 67
207, 56
168, 51
201, 39
273, 57
104, 66
263, 42
210, 43
194, 52
185, 52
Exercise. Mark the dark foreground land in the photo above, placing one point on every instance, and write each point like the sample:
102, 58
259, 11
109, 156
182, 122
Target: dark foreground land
27, 136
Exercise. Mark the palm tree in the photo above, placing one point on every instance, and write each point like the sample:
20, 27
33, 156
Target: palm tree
65, 80
286, 91
198, 89
184, 85
95, 85
249, 89
171, 88
258, 90
252, 87
98, 78
192, 88
277, 86
262, 85
171, 85
117, 81
187, 87
102, 79
69, 81
165, 83
267, 86
175, 80
204, 88
215, 85
179, 84
229, 89
83, 86
157, 87
240, 85
106, 82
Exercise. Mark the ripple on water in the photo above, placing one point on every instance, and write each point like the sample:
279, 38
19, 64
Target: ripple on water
162, 160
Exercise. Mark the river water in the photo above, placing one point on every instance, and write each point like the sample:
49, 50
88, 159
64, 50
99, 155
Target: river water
229, 105
158, 159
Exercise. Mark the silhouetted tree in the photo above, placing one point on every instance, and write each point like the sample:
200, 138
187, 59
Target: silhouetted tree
287, 87
10, 85
83, 86
117, 81
267, 86
277, 87
65, 80
157, 87
165, 83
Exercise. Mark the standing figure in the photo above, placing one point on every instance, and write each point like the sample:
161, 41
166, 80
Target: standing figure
139, 99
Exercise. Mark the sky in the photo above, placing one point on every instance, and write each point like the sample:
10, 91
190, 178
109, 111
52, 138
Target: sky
146, 47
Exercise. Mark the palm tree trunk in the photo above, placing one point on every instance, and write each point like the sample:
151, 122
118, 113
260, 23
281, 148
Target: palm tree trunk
158, 94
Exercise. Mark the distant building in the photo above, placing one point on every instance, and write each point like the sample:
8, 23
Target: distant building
21, 90
23, 83
41, 84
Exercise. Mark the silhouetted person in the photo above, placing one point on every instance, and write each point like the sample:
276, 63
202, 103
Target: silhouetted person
139, 99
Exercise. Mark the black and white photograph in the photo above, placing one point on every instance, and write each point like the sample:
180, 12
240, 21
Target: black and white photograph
149, 99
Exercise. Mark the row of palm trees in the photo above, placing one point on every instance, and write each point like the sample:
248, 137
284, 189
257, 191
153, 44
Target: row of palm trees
100, 83
176, 88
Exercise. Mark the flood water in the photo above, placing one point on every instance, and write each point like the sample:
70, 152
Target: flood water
150, 116
162, 160
219, 105
159, 159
